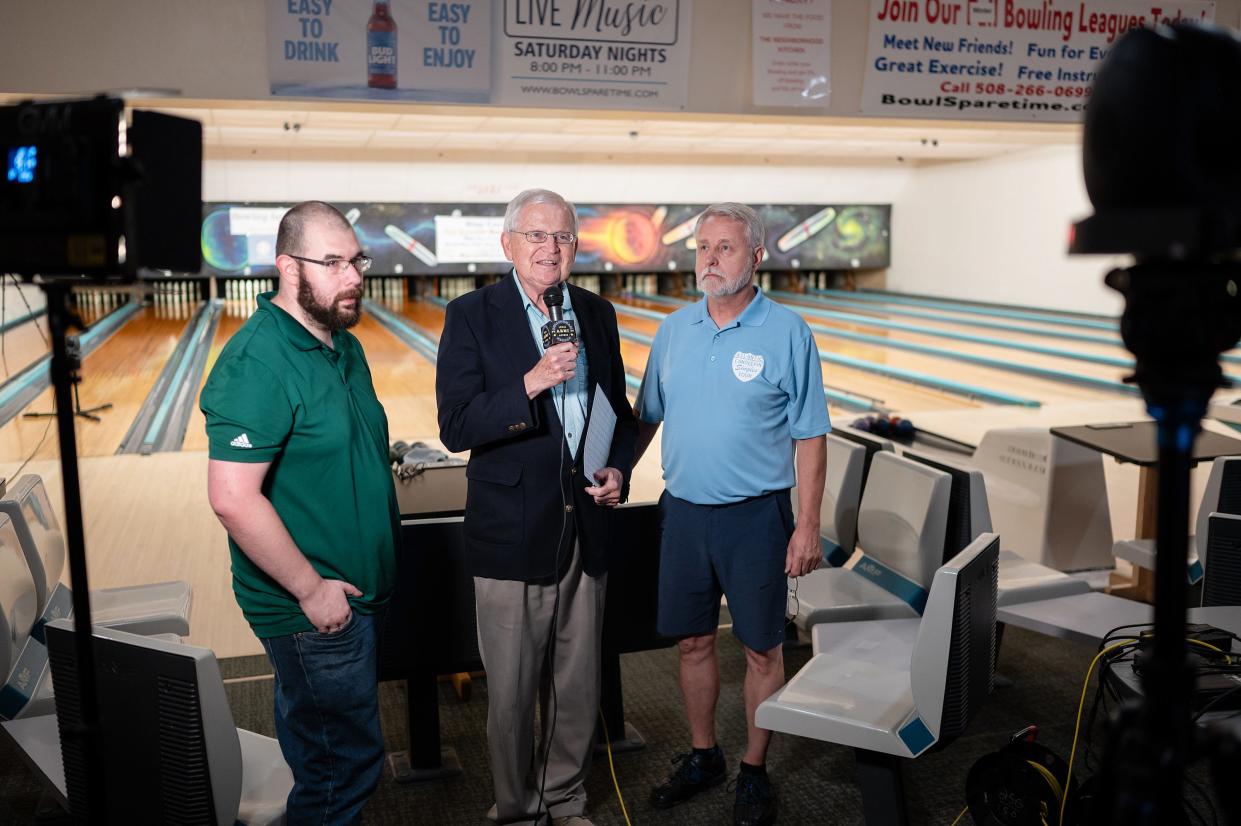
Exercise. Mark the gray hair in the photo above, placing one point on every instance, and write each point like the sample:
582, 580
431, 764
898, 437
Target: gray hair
529, 197
291, 235
754, 230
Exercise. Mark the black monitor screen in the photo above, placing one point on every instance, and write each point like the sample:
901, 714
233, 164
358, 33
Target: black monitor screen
971, 657
872, 445
960, 530
1222, 583
150, 724
1230, 488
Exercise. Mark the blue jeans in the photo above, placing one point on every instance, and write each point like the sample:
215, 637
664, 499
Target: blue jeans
327, 719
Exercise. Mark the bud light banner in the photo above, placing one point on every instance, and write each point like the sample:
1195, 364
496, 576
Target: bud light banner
1018, 60
381, 50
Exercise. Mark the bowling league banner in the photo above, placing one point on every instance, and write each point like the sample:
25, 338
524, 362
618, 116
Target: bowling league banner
383, 50
448, 239
598, 54
1016, 60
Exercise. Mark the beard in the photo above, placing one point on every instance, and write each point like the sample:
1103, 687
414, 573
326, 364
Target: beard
728, 287
331, 316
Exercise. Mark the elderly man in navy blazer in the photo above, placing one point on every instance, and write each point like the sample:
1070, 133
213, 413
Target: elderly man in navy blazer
536, 530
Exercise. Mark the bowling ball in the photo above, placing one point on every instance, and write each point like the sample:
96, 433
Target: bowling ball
862, 424
397, 451
906, 429
881, 427
222, 250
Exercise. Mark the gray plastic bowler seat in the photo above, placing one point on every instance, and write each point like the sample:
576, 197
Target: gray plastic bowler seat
1221, 495
969, 515
842, 494
896, 688
18, 601
232, 774
158, 608
901, 525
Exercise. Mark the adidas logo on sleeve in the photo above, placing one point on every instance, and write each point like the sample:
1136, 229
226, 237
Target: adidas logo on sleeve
242, 441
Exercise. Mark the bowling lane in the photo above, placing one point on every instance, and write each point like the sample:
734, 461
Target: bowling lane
996, 379
121, 371
973, 320
892, 393
230, 322
1063, 364
1113, 348
23, 344
404, 381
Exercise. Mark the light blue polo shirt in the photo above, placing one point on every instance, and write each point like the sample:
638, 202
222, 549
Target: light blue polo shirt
733, 400
572, 409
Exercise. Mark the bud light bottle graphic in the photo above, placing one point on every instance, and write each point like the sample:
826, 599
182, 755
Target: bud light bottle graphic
381, 47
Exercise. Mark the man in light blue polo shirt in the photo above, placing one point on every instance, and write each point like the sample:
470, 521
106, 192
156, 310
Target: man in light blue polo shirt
737, 383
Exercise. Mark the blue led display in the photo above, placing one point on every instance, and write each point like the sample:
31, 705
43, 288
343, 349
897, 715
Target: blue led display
23, 160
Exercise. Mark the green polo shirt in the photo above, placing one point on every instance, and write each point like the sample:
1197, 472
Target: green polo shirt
277, 394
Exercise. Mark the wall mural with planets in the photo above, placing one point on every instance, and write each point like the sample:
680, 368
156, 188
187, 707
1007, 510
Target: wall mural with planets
445, 239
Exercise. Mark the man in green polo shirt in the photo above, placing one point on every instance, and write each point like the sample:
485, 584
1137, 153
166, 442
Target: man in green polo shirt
299, 476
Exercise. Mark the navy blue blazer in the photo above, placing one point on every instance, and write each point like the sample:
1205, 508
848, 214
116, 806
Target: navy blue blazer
524, 491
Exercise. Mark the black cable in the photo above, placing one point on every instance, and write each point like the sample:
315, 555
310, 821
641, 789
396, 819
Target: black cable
29, 311
551, 634
51, 419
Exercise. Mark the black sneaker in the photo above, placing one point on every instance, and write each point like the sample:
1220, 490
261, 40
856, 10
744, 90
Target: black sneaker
756, 801
694, 773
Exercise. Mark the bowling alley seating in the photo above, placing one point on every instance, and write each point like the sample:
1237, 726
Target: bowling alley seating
1048, 498
969, 516
842, 494
18, 614
158, 608
1222, 495
873, 444
161, 704
897, 688
901, 524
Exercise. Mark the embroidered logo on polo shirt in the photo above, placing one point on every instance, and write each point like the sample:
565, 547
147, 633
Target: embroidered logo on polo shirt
241, 441
746, 365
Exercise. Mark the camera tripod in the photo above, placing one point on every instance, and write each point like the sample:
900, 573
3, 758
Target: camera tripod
73, 356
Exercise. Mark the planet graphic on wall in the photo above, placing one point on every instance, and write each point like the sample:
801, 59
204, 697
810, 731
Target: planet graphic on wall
222, 250
626, 237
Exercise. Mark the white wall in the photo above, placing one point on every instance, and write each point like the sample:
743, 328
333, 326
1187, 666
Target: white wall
361, 180
997, 230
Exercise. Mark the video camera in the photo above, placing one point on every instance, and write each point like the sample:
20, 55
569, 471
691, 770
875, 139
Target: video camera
91, 194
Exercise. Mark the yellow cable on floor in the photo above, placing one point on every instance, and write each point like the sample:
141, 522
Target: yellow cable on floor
607, 739
1068, 778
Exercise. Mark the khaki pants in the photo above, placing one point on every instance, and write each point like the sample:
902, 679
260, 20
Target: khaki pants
514, 621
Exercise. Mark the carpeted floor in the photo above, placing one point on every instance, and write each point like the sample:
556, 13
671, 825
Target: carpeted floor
815, 780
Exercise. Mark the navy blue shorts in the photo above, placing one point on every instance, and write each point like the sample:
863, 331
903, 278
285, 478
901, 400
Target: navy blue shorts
737, 550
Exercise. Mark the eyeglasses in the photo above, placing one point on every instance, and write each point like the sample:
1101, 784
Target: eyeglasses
538, 236
337, 266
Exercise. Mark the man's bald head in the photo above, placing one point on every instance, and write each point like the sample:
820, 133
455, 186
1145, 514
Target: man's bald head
291, 237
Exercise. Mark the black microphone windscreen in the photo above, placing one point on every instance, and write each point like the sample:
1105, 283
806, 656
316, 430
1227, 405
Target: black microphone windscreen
553, 296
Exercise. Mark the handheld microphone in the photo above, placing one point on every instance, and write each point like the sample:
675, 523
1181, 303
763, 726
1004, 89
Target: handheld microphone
558, 330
